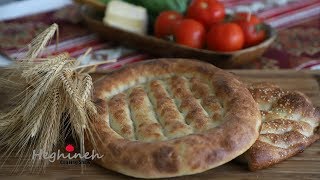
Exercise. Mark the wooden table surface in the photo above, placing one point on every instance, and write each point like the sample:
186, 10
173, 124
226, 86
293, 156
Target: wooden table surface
305, 165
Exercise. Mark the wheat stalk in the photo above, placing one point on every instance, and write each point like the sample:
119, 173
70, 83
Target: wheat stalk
38, 44
49, 90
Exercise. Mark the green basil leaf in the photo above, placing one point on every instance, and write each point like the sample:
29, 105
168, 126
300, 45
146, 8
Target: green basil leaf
154, 7
105, 1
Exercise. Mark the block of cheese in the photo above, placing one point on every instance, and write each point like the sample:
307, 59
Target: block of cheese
126, 16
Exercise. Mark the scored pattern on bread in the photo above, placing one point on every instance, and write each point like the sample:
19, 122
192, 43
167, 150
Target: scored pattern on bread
172, 117
164, 108
289, 124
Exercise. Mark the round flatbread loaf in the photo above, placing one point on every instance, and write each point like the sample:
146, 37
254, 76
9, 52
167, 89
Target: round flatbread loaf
172, 117
290, 123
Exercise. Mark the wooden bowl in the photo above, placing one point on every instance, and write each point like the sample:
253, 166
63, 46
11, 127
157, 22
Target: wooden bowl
162, 48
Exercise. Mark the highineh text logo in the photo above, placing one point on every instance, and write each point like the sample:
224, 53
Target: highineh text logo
67, 158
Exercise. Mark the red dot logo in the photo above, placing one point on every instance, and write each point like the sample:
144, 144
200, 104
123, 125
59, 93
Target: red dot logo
69, 148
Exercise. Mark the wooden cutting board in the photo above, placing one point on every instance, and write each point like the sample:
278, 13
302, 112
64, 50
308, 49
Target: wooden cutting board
305, 165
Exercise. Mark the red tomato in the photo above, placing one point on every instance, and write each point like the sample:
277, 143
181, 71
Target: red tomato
252, 28
207, 12
165, 23
225, 37
190, 33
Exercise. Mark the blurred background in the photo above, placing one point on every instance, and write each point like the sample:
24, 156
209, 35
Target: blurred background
297, 24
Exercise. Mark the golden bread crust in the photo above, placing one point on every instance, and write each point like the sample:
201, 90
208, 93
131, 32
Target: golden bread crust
289, 124
172, 117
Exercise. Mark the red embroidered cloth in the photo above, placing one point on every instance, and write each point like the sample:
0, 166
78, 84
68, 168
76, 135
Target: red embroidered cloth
297, 45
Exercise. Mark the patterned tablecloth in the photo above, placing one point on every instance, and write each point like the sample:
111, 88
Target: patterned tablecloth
296, 47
